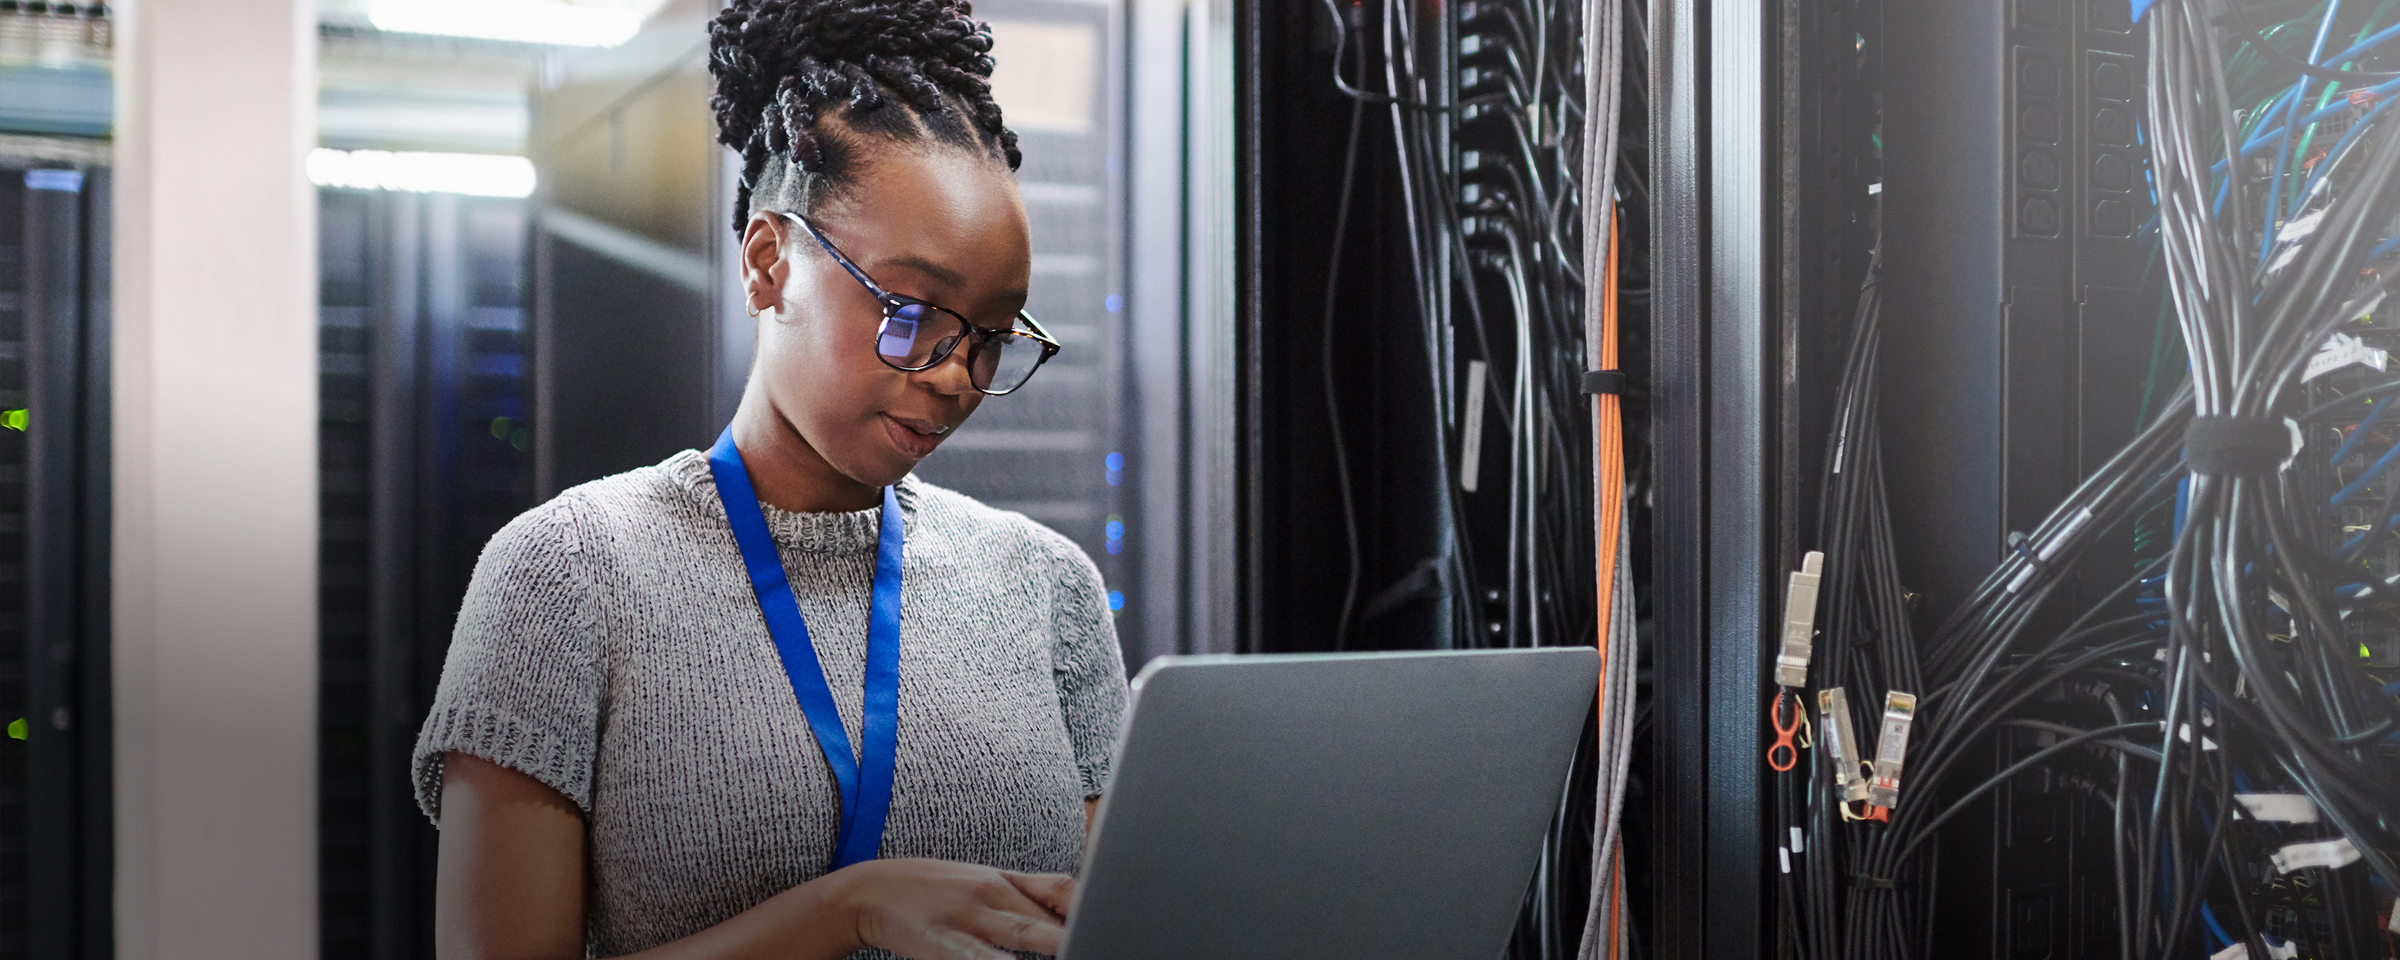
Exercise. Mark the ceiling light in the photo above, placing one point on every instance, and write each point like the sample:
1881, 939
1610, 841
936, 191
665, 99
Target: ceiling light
591, 23
479, 175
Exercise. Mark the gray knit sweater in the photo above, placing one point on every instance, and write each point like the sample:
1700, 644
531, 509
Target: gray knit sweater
610, 646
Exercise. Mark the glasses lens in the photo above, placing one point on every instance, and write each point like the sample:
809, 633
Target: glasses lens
914, 334
1006, 362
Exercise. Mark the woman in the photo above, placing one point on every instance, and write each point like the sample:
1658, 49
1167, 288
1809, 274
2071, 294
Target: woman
643, 739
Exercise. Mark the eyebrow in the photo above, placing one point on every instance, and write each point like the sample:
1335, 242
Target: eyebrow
927, 267
946, 275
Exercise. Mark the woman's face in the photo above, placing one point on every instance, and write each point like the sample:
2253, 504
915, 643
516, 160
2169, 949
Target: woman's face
939, 224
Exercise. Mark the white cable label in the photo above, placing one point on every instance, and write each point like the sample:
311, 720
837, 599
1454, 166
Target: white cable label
2394, 926
2343, 350
1784, 854
2289, 237
2332, 854
2241, 951
2279, 807
1796, 847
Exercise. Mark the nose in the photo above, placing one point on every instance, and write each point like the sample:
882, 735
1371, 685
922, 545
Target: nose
950, 377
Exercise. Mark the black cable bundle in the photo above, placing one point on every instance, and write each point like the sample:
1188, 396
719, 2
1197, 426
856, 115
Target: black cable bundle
2230, 712
1492, 159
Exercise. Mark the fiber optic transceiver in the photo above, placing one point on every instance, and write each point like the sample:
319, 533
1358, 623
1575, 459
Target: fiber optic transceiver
1841, 744
1799, 621
1899, 710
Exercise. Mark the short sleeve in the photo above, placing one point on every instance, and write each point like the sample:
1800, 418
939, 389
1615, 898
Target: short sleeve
521, 685
1090, 665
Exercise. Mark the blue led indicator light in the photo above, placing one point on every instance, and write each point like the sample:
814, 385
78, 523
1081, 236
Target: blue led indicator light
1116, 600
63, 181
1116, 461
1115, 303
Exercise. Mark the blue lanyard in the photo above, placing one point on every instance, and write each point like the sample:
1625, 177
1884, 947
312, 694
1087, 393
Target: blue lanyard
866, 799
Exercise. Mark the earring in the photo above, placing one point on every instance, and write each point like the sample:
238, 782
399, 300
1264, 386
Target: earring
746, 305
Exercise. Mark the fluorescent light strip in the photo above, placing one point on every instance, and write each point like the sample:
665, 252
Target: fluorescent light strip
519, 21
477, 175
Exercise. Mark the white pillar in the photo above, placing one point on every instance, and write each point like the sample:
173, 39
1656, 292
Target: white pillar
215, 439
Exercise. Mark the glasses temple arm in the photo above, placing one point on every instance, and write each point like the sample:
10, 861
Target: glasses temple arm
847, 267
1038, 329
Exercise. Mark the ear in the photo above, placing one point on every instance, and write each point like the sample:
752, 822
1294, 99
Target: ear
764, 268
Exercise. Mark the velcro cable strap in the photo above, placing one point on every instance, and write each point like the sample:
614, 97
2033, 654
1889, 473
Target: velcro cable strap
2237, 446
1604, 381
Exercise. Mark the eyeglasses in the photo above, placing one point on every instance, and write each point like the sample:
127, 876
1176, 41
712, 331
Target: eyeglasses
916, 335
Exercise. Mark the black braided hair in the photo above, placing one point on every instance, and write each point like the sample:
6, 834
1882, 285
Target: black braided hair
899, 70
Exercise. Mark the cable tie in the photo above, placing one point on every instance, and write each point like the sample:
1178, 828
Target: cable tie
1874, 882
2240, 446
2023, 545
1604, 382
2036, 559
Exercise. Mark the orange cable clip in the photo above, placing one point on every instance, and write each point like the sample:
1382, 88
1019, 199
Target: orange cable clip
1783, 755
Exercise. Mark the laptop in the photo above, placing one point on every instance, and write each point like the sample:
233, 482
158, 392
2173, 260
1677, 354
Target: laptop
1320, 806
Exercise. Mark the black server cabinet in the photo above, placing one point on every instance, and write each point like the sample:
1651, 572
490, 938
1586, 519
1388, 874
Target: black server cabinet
55, 814
1342, 461
2014, 275
2020, 332
424, 453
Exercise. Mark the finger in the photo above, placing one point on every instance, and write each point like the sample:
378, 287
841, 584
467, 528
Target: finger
957, 945
1025, 893
1018, 930
1051, 890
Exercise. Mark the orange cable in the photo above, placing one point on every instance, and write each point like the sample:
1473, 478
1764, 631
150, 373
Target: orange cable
1608, 493
1616, 902
1608, 502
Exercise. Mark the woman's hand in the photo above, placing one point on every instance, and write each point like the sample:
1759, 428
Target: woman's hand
940, 910
511, 881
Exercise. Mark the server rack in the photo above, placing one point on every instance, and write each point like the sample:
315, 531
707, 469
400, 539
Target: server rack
1987, 151
55, 804
1995, 156
1340, 444
1065, 450
1417, 257
425, 442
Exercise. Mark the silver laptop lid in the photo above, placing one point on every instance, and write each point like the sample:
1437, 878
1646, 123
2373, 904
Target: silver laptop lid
1320, 806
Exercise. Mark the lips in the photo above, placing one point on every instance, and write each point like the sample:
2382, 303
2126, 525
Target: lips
914, 437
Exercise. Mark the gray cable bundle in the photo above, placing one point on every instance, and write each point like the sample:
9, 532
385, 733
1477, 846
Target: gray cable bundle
1603, 48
